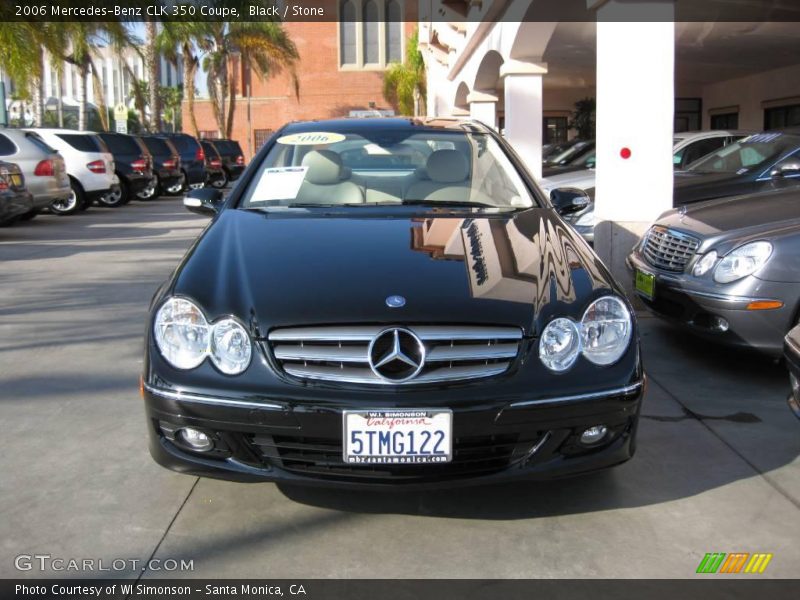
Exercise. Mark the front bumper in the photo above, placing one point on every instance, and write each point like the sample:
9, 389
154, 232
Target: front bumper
707, 310
265, 439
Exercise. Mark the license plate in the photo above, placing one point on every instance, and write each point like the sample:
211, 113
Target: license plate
645, 284
16, 180
409, 436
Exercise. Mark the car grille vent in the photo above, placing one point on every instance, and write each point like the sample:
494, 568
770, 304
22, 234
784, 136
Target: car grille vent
340, 353
472, 456
669, 249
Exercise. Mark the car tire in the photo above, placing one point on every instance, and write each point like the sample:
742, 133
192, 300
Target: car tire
115, 198
151, 191
72, 204
220, 183
178, 188
29, 215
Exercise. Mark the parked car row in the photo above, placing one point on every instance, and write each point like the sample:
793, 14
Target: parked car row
66, 171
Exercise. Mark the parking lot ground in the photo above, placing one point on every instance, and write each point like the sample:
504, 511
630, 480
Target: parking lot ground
716, 470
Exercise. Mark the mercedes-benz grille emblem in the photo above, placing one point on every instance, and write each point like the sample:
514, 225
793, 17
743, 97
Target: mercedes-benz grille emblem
396, 355
395, 301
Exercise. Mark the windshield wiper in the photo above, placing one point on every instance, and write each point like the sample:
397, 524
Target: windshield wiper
449, 203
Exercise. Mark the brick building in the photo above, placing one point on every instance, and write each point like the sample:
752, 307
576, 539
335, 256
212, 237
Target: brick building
340, 70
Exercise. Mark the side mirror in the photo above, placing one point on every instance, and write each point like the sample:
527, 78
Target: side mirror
788, 168
569, 200
204, 201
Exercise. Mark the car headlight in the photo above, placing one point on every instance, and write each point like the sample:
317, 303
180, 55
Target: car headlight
182, 333
704, 265
743, 261
230, 347
586, 219
184, 337
606, 330
560, 344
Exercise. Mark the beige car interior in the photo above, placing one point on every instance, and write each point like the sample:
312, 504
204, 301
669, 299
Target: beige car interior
445, 176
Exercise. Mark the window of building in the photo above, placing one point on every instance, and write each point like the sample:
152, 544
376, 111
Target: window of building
394, 32
782, 116
347, 33
554, 130
725, 121
370, 33
688, 112
260, 136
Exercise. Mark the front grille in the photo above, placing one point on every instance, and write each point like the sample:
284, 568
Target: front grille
669, 249
340, 353
472, 455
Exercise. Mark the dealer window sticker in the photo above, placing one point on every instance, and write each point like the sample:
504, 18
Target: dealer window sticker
312, 138
279, 183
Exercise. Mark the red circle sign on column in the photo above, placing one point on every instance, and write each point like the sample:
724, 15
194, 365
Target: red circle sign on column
625, 153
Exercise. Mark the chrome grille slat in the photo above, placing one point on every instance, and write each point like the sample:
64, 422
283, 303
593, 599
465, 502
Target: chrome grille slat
351, 375
669, 249
340, 353
321, 353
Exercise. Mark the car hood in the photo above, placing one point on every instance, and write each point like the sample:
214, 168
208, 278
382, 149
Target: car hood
274, 270
738, 217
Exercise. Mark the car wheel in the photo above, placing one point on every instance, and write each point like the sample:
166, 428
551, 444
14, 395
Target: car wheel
115, 197
178, 187
220, 183
151, 191
72, 203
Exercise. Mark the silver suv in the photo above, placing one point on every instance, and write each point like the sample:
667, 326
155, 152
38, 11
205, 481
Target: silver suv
43, 167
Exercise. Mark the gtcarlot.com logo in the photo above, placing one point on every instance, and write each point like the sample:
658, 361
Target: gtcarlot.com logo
736, 562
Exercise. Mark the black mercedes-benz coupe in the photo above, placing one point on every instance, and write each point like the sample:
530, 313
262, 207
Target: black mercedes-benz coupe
389, 302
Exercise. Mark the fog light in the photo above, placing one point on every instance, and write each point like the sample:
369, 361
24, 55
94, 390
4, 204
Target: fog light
719, 324
593, 435
195, 439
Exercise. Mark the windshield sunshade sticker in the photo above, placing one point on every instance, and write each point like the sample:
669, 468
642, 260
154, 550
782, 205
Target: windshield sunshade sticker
312, 138
279, 183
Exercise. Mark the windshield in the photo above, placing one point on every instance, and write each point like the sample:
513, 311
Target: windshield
390, 167
753, 152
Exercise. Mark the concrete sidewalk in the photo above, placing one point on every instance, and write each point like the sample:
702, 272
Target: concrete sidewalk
716, 470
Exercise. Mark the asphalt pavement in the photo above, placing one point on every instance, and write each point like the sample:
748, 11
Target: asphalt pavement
716, 470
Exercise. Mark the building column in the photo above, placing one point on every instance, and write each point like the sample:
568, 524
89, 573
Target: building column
635, 109
523, 110
483, 108
109, 82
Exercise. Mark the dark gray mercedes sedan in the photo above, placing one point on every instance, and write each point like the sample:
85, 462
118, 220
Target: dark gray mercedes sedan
727, 269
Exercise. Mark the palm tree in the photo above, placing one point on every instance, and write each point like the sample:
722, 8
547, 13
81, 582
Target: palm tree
153, 73
83, 38
26, 47
179, 41
262, 46
266, 48
404, 83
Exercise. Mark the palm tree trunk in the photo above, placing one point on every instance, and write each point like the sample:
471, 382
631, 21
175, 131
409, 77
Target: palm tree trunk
83, 72
101, 99
232, 78
59, 100
189, 70
154, 78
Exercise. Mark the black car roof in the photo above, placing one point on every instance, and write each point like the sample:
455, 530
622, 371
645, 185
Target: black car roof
354, 125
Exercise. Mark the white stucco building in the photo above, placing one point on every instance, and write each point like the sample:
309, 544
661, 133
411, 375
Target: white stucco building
504, 63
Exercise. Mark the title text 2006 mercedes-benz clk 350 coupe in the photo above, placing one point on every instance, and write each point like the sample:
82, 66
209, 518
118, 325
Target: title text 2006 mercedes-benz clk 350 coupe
388, 302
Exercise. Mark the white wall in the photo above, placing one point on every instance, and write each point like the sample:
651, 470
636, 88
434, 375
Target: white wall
749, 92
